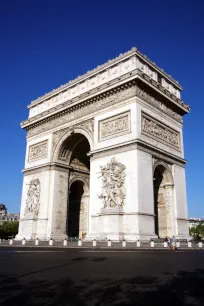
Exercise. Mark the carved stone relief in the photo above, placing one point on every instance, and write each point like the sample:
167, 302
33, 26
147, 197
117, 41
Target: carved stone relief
84, 109
113, 178
158, 104
154, 128
38, 151
33, 198
114, 126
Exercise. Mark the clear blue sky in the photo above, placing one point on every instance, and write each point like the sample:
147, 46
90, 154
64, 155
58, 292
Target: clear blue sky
43, 44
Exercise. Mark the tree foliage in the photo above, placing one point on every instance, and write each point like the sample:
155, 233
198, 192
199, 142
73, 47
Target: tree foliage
8, 229
197, 232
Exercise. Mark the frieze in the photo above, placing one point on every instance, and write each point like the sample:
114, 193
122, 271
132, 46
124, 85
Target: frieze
114, 126
158, 104
38, 151
86, 108
153, 127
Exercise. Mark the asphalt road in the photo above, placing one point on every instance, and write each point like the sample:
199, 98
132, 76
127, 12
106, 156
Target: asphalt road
64, 277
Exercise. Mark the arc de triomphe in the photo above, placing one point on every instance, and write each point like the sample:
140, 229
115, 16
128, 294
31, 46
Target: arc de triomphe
105, 157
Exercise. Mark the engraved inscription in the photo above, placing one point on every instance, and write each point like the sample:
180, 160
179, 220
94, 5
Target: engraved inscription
157, 129
114, 126
38, 151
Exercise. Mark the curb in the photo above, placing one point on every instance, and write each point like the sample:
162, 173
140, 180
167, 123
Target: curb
102, 249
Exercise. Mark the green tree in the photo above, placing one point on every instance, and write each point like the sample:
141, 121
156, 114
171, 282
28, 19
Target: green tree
8, 229
197, 232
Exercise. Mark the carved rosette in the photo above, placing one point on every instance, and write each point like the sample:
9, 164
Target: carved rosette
33, 198
113, 179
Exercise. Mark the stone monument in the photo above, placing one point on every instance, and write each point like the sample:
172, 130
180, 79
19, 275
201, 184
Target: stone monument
105, 158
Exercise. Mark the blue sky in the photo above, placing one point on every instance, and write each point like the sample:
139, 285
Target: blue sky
46, 43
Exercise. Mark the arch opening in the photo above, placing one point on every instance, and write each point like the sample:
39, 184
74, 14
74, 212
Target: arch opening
163, 201
73, 152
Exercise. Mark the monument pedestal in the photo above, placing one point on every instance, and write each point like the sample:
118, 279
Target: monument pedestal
27, 227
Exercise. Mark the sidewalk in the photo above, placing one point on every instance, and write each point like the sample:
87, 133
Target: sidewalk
100, 246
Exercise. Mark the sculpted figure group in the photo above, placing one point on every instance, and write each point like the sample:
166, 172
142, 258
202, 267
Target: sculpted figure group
113, 178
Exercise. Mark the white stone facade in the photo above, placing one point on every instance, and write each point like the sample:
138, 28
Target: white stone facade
105, 156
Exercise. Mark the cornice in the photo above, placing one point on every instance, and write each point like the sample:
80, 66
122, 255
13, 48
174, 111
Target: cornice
142, 146
78, 101
98, 69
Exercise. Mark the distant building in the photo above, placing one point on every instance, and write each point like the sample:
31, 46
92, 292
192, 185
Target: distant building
6, 216
193, 222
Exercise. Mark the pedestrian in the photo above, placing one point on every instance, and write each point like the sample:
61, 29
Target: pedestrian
174, 243
169, 243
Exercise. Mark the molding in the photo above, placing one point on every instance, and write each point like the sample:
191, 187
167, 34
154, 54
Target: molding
161, 154
138, 145
85, 108
127, 55
182, 219
34, 219
100, 102
122, 213
76, 102
53, 166
149, 99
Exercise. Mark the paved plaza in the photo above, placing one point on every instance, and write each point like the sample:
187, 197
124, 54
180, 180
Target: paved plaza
78, 277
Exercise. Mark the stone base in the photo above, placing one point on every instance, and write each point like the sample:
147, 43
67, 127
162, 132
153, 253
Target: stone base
119, 237
27, 228
58, 237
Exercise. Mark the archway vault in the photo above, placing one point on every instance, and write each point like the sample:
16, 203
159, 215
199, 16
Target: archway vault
59, 137
163, 199
71, 151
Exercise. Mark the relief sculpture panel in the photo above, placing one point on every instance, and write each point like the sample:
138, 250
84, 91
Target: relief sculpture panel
33, 198
114, 126
113, 179
160, 131
38, 151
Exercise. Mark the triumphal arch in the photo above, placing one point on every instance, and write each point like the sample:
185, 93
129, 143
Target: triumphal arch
105, 158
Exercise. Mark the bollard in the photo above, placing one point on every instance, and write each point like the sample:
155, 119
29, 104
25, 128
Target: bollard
138, 243
189, 244
165, 244
11, 241
124, 243
109, 243
152, 244
200, 244
65, 242
79, 243
36, 241
178, 244
23, 241
50, 241
94, 242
